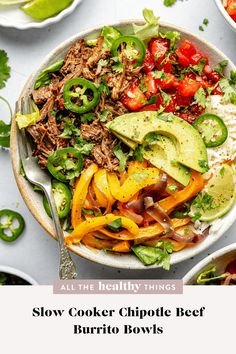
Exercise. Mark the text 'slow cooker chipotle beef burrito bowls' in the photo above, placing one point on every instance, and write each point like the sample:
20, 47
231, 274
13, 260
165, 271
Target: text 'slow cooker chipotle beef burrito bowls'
136, 125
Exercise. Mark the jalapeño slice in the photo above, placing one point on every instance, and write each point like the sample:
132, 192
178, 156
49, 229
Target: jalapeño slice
65, 164
212, 129
80, 95
62, 196
135, 49
12, 222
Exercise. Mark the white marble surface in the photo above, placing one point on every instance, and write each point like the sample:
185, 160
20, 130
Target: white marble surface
35, 252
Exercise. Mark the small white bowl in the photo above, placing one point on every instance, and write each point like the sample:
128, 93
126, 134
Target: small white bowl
220, 259
224, 13
18, 273
12, 16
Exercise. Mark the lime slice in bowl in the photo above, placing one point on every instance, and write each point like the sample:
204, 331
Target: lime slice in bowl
43, 9
218, 196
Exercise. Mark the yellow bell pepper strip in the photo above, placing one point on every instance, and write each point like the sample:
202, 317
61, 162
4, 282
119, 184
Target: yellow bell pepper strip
80, 194
136, 167
133, 183
101, 189
195, 185
97, 223
91, 241
122, 247
149, 232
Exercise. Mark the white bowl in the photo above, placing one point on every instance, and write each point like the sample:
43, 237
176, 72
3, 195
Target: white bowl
225, 14
12, 16
220, 259
34, 200
18, 273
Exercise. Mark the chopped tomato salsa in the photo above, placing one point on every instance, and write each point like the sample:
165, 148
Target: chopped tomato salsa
171, 80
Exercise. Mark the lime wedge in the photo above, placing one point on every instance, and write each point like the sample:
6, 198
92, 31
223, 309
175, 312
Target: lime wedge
218, 196
12, 2
42, 9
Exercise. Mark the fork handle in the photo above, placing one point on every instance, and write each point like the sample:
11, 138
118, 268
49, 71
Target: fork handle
67, 269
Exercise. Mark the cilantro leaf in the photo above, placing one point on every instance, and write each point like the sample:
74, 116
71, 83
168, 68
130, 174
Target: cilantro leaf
173, 36
121, 156
88, 117
232, 80
221, 66
199, 67
115, 225
227, 89
200, 97
83, 146
4, 68
104, 115
103, 87
159, 74
138, 154
69, 129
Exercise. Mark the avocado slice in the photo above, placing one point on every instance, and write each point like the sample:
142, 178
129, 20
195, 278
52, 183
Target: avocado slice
190, 147
162, 154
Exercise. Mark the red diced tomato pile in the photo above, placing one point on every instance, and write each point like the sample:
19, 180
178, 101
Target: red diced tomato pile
169, 80
231, 8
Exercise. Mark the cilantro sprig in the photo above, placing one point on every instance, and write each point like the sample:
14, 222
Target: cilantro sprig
4, 76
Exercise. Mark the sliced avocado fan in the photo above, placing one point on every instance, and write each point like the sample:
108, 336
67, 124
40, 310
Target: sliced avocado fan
184, 145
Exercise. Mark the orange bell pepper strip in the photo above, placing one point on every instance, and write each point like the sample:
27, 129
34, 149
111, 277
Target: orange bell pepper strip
146, 233
122, 247
195, 185
122, 235
91, 241
96, 223
101, 189
132, 184
80, 193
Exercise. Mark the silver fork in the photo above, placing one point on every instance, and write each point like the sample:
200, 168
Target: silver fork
41, 178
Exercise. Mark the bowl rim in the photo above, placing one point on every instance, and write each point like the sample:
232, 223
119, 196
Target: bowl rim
19, 273
21, 181
41, 24
206, 261
225, 14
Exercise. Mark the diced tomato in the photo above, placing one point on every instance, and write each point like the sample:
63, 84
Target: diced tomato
155, 106
194, 59
217, 91
134, 98
187, 48
167, 82
214, 76
150, 83
171, 107
182, 101
182, 59
188, 87
166, 66
149, 107
158, 48
148, 64
207, 70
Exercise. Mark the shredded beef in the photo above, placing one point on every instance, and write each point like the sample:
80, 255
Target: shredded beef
41, 95
82, 61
